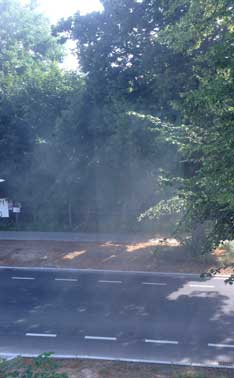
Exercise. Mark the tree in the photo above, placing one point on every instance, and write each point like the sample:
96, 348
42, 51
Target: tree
28, 55
125, 70
155, 92
119, 52
26, 45
204, 32
34, 92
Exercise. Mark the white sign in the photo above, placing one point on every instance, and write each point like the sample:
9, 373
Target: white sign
16, 209
4, 209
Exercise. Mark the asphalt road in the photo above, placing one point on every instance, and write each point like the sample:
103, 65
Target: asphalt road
147, 317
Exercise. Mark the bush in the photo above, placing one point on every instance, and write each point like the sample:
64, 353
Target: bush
42, 366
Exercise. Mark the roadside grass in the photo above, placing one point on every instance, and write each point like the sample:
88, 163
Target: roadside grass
132, 370
46, 367
42, 366
222, 256
191, 374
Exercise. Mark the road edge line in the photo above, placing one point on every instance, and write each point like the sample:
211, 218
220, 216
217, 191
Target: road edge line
52, 268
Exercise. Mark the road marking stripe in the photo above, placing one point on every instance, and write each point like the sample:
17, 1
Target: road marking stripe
154, 283
100, 338
53, 269
23, 278
197, 285
221, 345
106, 281
218, 277
161, 341
41, 334
66, 279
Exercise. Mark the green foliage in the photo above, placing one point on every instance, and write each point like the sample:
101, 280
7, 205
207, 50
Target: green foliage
119, 51
42, 366
26, 46
28, 67
119, 152
204, 135
208, 111
156, 101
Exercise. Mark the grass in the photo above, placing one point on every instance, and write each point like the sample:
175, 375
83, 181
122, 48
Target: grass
190, 375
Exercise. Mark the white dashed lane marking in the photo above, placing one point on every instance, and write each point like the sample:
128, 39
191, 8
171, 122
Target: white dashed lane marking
202, 286
221, 345
100, 338
154, 283
41, 334
22, 278
66, 279
106, 281
161, 341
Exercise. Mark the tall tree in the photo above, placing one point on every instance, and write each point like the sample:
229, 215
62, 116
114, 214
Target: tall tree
33, 91
119, 51
204, 32
126, 69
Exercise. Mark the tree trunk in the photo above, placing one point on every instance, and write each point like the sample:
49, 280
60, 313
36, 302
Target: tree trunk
198, 239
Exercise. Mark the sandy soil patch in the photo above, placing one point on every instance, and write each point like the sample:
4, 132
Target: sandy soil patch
154, 255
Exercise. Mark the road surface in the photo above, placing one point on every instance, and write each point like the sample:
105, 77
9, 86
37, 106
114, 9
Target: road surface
148, 317
76, 236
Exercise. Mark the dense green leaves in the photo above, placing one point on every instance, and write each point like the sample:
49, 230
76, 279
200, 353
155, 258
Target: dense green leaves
204, 32
26, 45
33, 93
153, 100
